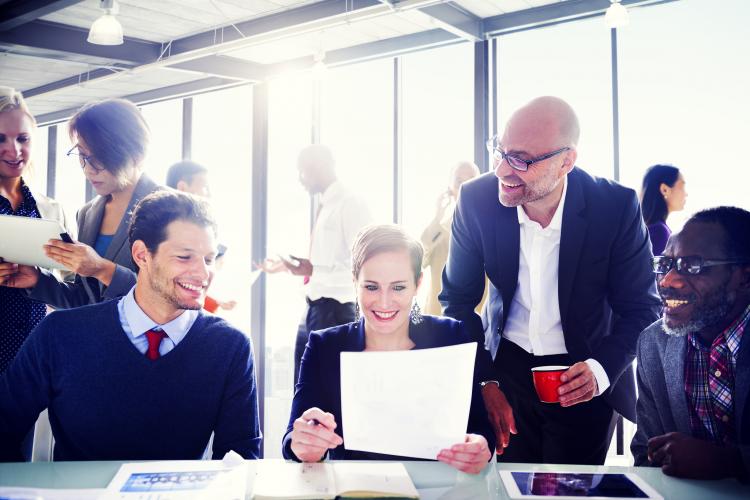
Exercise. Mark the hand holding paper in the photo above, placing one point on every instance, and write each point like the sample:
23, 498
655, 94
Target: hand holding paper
470, 456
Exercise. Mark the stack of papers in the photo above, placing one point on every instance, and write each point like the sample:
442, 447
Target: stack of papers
277, 479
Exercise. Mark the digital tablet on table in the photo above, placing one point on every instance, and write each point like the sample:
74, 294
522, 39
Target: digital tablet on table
22, 240
569, 485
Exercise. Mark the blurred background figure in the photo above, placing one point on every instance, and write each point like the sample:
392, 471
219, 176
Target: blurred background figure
326, 274
437, 234
18, 314
110, 139
662, 193
189, 177
192, 177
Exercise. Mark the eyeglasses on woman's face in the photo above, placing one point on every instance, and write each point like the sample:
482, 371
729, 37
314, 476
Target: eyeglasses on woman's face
84, 159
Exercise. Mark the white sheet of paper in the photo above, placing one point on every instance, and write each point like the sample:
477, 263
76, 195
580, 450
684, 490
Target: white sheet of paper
409, 403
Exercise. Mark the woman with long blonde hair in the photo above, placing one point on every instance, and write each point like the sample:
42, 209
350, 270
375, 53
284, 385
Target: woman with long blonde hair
18, 314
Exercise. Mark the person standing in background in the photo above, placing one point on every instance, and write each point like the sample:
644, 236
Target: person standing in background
327, 273
189, 177
437, 234
662, 193
18, 314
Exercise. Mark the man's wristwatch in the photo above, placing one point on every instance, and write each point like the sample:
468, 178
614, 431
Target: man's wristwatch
484, 383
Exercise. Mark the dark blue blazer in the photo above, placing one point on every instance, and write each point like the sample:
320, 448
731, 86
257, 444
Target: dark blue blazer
606, 287
319, 382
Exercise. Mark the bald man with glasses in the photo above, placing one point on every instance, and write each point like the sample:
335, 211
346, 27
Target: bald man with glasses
693, 365
568, 260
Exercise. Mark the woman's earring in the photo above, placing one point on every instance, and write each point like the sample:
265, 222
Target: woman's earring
356, 312
415, 315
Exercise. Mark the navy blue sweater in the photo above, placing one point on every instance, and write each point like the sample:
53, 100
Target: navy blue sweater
107, 401
320, 379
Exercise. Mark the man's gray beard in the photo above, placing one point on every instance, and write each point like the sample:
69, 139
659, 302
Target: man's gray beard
708, 318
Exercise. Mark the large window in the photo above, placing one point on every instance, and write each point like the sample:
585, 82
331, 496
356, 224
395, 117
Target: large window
357, 123
165, 122
289, 130
438, 130
683, 98
223, 143
571, 61
70, 183
36, 176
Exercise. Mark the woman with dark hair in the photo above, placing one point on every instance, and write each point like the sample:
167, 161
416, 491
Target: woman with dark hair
18, 314
387, 270
110, 141
663, 192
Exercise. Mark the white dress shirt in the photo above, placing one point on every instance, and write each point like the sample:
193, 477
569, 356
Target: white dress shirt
534, 321
136, 323
342, 215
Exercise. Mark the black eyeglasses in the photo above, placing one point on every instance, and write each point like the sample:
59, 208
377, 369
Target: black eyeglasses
498, 153
690, 265
84, 159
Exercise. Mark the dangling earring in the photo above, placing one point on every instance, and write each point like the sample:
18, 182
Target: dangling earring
356, 312
415, 315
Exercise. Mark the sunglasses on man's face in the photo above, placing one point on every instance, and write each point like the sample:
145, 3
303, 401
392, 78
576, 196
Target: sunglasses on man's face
689, 265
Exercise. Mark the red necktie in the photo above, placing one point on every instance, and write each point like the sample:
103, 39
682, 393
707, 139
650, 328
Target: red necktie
154, 338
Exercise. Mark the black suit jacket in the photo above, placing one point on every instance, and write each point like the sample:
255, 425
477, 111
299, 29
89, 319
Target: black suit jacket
320, 378
83, 291
606, 287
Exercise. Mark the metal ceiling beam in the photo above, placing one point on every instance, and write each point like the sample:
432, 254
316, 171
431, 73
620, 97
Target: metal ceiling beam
225, 67
305, 15
149, 96
18, 12
456, 20
61, 38
553, 14
390, 47
70, 81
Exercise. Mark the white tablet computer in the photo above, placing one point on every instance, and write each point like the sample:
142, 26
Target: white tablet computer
576, 485
22, 239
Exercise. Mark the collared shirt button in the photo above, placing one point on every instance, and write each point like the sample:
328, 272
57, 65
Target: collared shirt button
717, 373
725, 419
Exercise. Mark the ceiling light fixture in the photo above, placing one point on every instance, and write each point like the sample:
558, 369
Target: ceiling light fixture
106, 30
616, 15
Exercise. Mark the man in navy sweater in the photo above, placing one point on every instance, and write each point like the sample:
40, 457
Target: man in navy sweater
148, 376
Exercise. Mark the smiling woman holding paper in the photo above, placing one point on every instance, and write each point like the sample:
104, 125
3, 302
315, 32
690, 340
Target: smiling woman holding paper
386, 271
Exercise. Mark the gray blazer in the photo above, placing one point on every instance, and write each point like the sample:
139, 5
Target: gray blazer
82, 291
662, 404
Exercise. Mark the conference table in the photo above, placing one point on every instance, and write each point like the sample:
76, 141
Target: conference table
433, 480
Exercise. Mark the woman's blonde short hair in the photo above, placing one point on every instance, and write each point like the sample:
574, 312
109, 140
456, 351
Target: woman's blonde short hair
376, 239
11, 99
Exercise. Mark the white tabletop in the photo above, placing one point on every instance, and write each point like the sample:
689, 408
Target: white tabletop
433, 480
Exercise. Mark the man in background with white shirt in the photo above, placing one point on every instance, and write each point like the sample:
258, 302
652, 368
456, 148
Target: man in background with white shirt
340, 215
568, 259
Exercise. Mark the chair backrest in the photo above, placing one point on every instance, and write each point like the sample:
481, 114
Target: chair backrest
44, 442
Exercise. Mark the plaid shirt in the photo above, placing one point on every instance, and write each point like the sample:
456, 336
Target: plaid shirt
709, 382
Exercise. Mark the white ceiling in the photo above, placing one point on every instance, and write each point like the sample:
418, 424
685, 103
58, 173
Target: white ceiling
162, 21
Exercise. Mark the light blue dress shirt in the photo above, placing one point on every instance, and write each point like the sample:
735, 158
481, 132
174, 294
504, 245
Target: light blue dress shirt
136, 323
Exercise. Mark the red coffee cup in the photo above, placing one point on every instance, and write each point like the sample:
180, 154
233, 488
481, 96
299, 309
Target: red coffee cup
547, 381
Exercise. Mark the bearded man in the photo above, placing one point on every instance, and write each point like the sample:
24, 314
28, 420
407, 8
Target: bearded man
693, 376
148, 376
